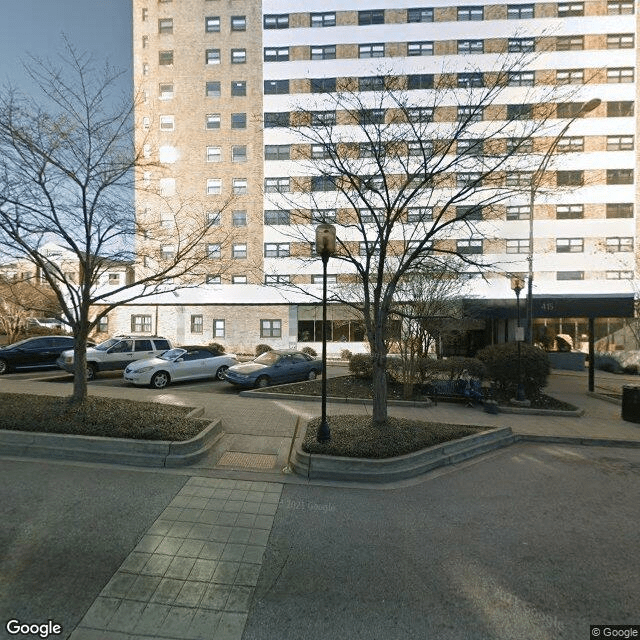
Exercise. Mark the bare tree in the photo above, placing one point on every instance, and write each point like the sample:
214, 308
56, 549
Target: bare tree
67, 168
410, 178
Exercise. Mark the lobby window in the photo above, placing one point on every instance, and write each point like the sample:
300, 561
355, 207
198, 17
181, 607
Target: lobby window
420, 48
238, 23
239, 218
239, 153
570, 9
277, 249
214, 251
276, 87
238, 56
325, 19
518, 246
619, 143
140, 323
238, 120
165, 25
520, 11
570, 275
276, 21
466, 14
518, 212
569, 245
420, 81
323, 85
569, 144
218, 328
619, 210
420, 15
624, 74
619, 176
165, 58
212, 278
372, 16
213, 121
470, 246
569, 211
326, 52
570, 178
619, 245
270, 328
238, 88
373, 50
277, 216
196, 324
569, 43
276, 54
240, 187
214, 154
214, 186
620, 41
213, 89
521, 45
239, 251
277, 152
212, 24
470, 46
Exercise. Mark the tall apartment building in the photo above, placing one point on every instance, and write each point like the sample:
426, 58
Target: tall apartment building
221, 80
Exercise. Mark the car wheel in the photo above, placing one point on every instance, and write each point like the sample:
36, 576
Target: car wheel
221, 371
160, 380
91, 371
262, 382
312, 375
4, 367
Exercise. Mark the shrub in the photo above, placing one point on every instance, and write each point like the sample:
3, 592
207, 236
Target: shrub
430, 369
361, 365
263, 348
501, 364
310, 352
608, 362
345, 354
216, 346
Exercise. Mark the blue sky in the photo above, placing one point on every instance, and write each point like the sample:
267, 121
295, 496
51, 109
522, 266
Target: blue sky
102, 27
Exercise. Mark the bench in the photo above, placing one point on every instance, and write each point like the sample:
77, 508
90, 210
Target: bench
454, 390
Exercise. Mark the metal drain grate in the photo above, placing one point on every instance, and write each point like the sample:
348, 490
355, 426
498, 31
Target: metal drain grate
247, 460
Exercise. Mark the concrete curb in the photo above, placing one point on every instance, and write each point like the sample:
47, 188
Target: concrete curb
578, 440
143, 453
606, 398
366, 401
321, 467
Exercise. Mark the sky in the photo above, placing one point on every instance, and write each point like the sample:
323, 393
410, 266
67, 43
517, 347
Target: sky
100, 27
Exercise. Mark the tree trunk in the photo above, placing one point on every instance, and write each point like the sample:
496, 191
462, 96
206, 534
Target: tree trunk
80, 390
379, 416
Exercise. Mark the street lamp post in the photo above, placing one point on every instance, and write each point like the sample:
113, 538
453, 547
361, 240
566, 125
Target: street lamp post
325, 246
518, 285
535, 183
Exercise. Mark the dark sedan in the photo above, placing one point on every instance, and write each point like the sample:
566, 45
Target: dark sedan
274, 367
34, 353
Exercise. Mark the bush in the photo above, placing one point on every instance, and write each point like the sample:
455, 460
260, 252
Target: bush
361, 365
345, 354
216, 346
608, 362
263, 348
430, 369
310, 352
501, 364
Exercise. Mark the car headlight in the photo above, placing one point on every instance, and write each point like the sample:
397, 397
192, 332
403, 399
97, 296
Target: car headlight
68, 360
142, 370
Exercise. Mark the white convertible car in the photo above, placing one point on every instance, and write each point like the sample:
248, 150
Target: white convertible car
182, 363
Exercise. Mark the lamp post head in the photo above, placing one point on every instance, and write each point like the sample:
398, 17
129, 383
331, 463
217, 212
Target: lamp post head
517, 284
594, 103
325, 239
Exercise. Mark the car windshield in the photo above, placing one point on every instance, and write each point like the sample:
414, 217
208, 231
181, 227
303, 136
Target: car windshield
172, 354
103, 346
269, 357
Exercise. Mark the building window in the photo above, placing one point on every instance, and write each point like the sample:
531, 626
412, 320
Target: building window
218, 328
569, 211
370, 116
569, 144
521, 45
270, 328
418, 148
277, 279
239, 218
277, 152
470, 80
420, 15
619, 143
140, 323
196, 324
569, 245
114, 278
276, 119
619, 245
619, 275
470, 13
521, 79
238, 88
570, 178
323, 85
371, 50
569, 43
518, 178
277, 185
214, 250
165, 25
470, 147
519, 145
466, 247
568, 109
327, 52
323, 183
239, 153
420, 81
323, 216
615, 76
276, 249
518, 212
145, 14
167, 186
520, 11
418, 115
103, 325
213, 121
369, 248
240, 187
276, 54
277, 216
570, 275
570, 76
469, 212
619, 109
419, 49
213, 218
619, 176
276, 87
468, 178
238, 279
323, 118
210, 278
167, 123
620, 41
332, 278
214, 186
238, 23
276, 21
212, 24
165, 91
518, 246
239, 251
238, 56
326, 19
213, 89
619, 210
620, 7
568, 9
419, 214
471, 113
165, 58
214, 154
374, 16
470, 46
370, 83
238, 120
